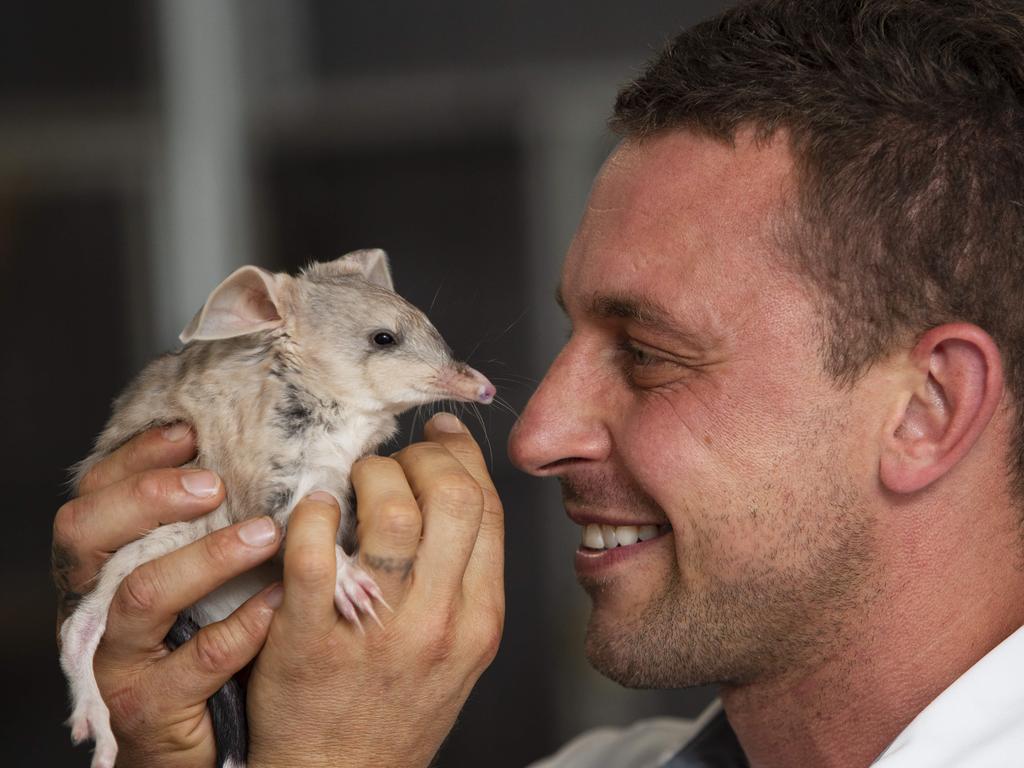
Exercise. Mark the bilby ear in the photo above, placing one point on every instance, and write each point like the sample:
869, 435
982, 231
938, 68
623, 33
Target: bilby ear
245, 302
371, 263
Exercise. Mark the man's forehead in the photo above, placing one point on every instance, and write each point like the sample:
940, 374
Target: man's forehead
678, 227
702, 173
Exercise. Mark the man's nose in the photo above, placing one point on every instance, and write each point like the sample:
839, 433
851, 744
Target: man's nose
564, 423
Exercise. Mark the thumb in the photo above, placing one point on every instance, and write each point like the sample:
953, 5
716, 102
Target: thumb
197, 669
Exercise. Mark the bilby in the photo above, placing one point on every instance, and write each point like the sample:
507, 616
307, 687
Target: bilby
287, 381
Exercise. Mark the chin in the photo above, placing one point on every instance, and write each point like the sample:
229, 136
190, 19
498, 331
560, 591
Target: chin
670, 642
636, 652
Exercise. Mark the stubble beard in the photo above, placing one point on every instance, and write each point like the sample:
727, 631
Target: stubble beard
760, 625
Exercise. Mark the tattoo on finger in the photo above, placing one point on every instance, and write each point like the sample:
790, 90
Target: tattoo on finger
63, 562
399, 565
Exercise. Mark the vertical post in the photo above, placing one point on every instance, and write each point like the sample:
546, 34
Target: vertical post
200, 196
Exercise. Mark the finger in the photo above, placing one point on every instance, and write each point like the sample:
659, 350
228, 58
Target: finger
452, 505
169, 446
196, 670
150, 598
389, 524
310, 567
88, 528
486, 568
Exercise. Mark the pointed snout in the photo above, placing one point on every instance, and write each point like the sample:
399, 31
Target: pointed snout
461, 382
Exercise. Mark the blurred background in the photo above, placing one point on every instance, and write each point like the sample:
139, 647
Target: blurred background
148, 148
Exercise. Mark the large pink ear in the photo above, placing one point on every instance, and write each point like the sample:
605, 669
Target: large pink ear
371, 263
246, 302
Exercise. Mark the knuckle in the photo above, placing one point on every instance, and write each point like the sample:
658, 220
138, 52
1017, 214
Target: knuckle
213, 649
457, 490
67, 524
139, 592
399, 520
148, 487
489, 637
417, 452
218, 547
439, 637
312, 567
248, 628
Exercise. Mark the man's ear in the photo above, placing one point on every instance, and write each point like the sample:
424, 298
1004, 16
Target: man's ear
246, 301
955, 385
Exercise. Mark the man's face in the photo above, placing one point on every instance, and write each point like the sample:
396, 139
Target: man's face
690, 396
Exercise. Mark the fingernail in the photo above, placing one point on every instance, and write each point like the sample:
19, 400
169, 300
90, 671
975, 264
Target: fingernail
446, 422
258, 532
323, 497
176, 432
200, 482
274, 597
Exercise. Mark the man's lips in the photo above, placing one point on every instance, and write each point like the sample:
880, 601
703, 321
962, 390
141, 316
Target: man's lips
617, 546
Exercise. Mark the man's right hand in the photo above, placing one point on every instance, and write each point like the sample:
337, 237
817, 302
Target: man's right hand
157, 699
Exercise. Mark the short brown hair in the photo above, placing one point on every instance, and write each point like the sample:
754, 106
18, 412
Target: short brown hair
906, 123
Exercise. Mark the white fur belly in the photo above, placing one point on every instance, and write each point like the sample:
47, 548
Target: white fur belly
224, 601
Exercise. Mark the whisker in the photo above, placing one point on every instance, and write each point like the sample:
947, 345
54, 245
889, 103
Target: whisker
415, 422
505, 406
483, 428
436, 294
514, 322
475, 348
506, 381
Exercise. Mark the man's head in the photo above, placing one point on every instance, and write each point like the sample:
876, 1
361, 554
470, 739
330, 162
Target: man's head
789, 295
906, 123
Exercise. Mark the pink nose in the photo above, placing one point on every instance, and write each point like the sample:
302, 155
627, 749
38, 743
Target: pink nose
468, 384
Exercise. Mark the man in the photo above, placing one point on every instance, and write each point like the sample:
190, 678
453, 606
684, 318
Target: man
796, 366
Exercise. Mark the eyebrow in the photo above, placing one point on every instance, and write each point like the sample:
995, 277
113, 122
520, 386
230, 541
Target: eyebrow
641, 310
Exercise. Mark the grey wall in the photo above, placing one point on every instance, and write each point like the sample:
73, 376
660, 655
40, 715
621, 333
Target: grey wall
147, 148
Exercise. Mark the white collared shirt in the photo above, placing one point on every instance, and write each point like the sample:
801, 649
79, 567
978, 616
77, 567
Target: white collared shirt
977, 722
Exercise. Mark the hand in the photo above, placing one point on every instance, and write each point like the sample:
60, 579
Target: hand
324, 694
157, 699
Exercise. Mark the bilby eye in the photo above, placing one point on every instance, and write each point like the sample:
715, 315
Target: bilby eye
384, 339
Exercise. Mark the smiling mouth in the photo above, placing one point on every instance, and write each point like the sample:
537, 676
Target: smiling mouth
598, 538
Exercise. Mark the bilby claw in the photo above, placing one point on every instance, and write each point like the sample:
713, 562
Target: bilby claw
355, 591
91, 719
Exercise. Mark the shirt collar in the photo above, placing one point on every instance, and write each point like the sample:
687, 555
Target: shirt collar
977, 721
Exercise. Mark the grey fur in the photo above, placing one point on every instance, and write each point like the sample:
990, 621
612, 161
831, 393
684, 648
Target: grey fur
278, 413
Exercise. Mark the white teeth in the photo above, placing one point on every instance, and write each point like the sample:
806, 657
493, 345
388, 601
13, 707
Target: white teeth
627, 534
596, 536
647, 532
592, 538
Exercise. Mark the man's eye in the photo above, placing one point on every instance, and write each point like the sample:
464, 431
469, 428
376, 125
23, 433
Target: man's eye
641, 357
636, 356
645, 369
